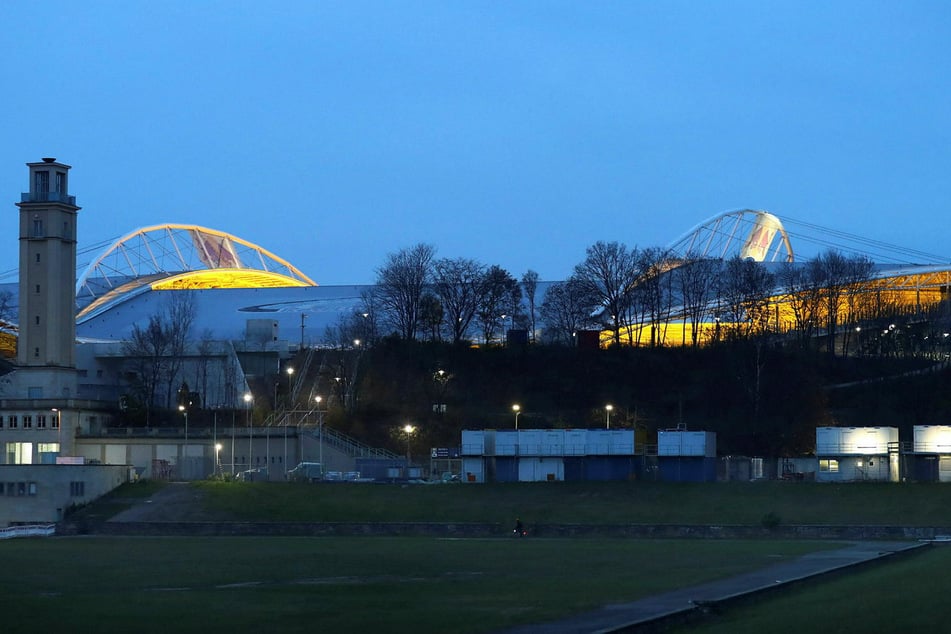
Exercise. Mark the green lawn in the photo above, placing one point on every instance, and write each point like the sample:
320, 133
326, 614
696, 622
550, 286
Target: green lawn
99, 584
744, 503
907, 595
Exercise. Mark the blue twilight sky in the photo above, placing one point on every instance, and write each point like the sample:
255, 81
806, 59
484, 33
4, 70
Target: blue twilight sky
514, 133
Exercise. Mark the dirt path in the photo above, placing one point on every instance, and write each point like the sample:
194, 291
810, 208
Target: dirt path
176, 502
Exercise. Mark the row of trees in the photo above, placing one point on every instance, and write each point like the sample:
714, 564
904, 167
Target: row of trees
634, 293
418, 296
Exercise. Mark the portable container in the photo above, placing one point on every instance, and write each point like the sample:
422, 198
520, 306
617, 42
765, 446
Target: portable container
576, 441
473, 442
676, 442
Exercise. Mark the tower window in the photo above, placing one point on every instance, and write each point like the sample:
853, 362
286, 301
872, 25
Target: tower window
37, 289
37, 228
36, 352
42, 182
37, 257
37, 320
61, 182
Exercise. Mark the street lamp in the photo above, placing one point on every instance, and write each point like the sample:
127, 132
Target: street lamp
184, 410
217, 458
518, 410
408, 430
608, 409
320, 434
290, 377
247, 415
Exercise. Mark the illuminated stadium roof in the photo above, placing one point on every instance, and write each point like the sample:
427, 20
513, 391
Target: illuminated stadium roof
179, 256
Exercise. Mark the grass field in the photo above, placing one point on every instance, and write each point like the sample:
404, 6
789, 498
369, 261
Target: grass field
744, 503
907, 595
99, 584
390, 584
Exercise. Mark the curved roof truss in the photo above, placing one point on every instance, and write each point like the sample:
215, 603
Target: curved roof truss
748, 233
180, 256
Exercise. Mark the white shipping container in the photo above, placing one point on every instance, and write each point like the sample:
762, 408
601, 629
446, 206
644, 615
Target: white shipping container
854, 441
686, 443
473, 442
529, 442
473, 470
828, 441
932, 439
553, 442
541, 469
506, 443
599, 442
622, 442
576, 441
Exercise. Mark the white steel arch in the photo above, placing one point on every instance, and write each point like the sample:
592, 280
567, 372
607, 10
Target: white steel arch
176, 252
749, 233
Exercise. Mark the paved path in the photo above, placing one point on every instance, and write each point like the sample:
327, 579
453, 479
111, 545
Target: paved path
177, 501
648, 612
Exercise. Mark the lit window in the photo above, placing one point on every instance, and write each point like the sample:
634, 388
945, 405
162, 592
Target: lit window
830, 466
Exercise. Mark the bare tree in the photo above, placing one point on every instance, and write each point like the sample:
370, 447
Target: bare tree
6, 306
147, 352
458, 282
859, 273
654, 285
400, 284
696, 277
610, 271
802, 286
205, 349
566, 309
530, 286
842, 276
431, 315
179, 316
494, 298
746, 287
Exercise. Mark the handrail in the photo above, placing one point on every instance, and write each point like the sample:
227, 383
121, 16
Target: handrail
30, 530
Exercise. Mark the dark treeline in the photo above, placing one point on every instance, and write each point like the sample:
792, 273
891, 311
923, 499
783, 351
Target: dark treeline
759, 401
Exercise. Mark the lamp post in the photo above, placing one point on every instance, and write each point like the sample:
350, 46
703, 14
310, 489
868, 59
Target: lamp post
518, 410
247, 409
320, 435
217, 458
408, 430
214, 439
184, 411
607, 410
290, 377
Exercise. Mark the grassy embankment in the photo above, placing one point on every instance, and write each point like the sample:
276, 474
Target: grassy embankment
591, 503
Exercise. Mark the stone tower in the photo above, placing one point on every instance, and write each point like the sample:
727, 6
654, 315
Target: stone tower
46, 347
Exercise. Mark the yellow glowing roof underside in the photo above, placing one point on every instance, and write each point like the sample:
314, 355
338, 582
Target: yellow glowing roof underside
227, 278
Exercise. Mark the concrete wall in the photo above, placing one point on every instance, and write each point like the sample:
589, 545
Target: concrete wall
42, 493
